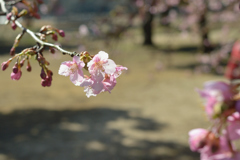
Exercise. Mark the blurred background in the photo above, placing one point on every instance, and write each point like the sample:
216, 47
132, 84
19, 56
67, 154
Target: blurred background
170, 47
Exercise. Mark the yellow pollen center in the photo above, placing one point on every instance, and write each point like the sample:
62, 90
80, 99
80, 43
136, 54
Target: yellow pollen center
73, 68
99, 64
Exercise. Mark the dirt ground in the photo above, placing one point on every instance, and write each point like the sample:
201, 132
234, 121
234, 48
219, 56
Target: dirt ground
146, 117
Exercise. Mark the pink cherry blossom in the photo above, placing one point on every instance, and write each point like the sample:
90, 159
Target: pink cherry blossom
94, 87
118, 71
233, 127
73, 69
100, 64
89, 91
215, 93
197, 138
221, 152
223, 87
109, 83
16, 76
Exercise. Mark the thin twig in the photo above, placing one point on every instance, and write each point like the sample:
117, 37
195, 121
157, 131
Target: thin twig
32, 34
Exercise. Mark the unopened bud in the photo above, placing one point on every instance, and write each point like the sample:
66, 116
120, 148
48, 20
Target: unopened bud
14, 10
23, 13
5, 65
29, 68
9, 15
61, 33
43, 74
13, 25
54, 37
49, 83
12, 51
15, 69
22, 62
44, 83
50, 73
52, 50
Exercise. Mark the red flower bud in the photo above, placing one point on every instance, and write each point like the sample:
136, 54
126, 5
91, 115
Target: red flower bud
12, 51
15, 69
44, 83
52, 50
9, 15
54, 37
29, 68
14, 26
61, 33
22, 62
43, 74
5, 65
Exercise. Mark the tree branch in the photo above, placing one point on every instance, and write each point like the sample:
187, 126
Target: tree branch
32, 34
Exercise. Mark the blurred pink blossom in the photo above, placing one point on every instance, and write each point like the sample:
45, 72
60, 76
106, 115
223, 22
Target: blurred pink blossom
16, 76
215, 93
101, 65
234, 126
197, 138
73, 69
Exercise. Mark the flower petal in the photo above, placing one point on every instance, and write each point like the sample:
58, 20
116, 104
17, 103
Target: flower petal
110, 67
102, 55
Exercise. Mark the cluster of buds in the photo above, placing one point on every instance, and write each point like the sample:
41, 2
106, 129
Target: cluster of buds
103, 72
223, 110
21, 58
30, 8
222, 106
49, 30
45, 74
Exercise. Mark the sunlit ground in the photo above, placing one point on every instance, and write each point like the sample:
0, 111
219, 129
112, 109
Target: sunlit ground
147, 115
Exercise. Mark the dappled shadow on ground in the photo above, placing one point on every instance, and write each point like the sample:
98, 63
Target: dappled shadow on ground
84, 134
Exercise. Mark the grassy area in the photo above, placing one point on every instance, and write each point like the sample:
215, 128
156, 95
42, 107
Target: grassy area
147, 115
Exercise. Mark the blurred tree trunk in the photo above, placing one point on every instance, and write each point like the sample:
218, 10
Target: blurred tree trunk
206, 45
147, 28
147, 22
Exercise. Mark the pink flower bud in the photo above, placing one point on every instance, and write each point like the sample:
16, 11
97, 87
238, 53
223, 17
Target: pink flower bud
50, 73
29, 68
14, 26
12, 51
22, 62
5, 65
44, 83
54, 37
16, 76
43, 74
61, 33
52, 50
9, 15
49, 81
15, 69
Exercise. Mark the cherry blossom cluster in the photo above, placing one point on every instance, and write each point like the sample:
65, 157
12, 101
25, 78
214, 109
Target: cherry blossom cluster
102, 71
222, 107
